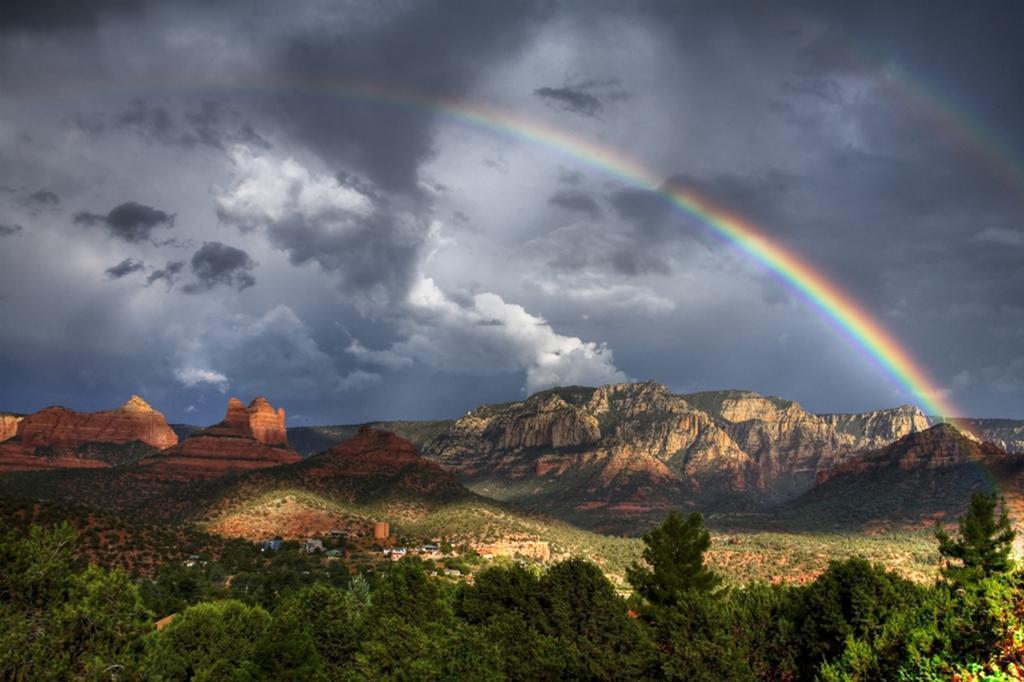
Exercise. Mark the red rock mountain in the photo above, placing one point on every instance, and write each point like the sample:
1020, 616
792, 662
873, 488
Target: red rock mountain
373, 464
913, 481
939, 447
57, 437
598, 456
59, 427
252, 437
374, 468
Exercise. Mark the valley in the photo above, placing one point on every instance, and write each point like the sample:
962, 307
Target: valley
585, 471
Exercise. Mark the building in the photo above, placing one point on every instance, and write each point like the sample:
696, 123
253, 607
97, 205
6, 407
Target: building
274, 545
381, 531
313, 545
396, 553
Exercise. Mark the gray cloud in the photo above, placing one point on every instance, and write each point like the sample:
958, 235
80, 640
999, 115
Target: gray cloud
8, 230
831, 127
130, 221
372, 248
216, 263
425, 54
44, 197
51, 15
124, 268
207, 123
587, 98
169, 274
577, 202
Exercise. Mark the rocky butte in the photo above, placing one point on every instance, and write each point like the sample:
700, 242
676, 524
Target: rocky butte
250, 437
56, 437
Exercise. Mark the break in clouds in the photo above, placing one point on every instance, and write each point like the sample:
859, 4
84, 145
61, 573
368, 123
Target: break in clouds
247, 199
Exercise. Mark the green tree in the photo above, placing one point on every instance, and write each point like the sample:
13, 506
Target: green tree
674, 555
591, 623
851, 600
209, 641
982, 548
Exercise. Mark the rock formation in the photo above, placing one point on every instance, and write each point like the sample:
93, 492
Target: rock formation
873, 430
923, 477
639, 449
1006, 433
938, 447
251, 437
375, 463
59, 427
597, 455
8, 425
57, 437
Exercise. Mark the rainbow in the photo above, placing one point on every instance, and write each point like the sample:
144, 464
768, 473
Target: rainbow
846, 314
856, 323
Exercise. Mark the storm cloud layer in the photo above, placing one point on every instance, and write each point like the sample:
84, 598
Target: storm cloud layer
384, 210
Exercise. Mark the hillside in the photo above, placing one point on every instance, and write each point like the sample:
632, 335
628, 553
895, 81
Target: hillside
310, 440
921, 478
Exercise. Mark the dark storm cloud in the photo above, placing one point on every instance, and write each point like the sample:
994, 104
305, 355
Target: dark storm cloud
216, 263
8, 230
124, 268
576, 201
209, 124
44, 197
436, 50
169, 274
587, 98
130, 221
43, 16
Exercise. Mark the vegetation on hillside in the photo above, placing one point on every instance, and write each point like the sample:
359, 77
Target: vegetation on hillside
287, 615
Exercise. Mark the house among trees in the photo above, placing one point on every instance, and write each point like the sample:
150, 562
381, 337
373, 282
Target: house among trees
313, 545
274, 545
396, 553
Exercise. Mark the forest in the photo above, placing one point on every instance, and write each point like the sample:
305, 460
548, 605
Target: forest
243, 617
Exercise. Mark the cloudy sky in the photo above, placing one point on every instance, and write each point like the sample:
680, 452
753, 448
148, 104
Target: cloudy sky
204, 200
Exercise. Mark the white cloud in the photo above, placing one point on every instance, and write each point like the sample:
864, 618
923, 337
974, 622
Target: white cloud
269, 190
193, 376
487, 334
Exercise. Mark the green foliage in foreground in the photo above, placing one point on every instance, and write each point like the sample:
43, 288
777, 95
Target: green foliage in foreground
290, 617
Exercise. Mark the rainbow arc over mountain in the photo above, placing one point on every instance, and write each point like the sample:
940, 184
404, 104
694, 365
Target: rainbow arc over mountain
840, 308
846, 313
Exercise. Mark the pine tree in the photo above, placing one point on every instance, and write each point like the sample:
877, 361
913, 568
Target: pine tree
982, 548
675, 555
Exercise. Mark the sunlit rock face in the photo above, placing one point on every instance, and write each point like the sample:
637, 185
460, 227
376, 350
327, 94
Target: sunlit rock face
57, 437
8, 426
638, 448
60, 427
252, 437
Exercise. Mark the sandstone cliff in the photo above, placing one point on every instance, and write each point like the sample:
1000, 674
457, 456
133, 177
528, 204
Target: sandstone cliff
938, 447
57, 437
923, 477
1006, 433
639, 449
8, 425
59, 427
595, 455
875, 429
251, 437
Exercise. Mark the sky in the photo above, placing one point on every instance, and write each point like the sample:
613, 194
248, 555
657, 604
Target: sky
200, 200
